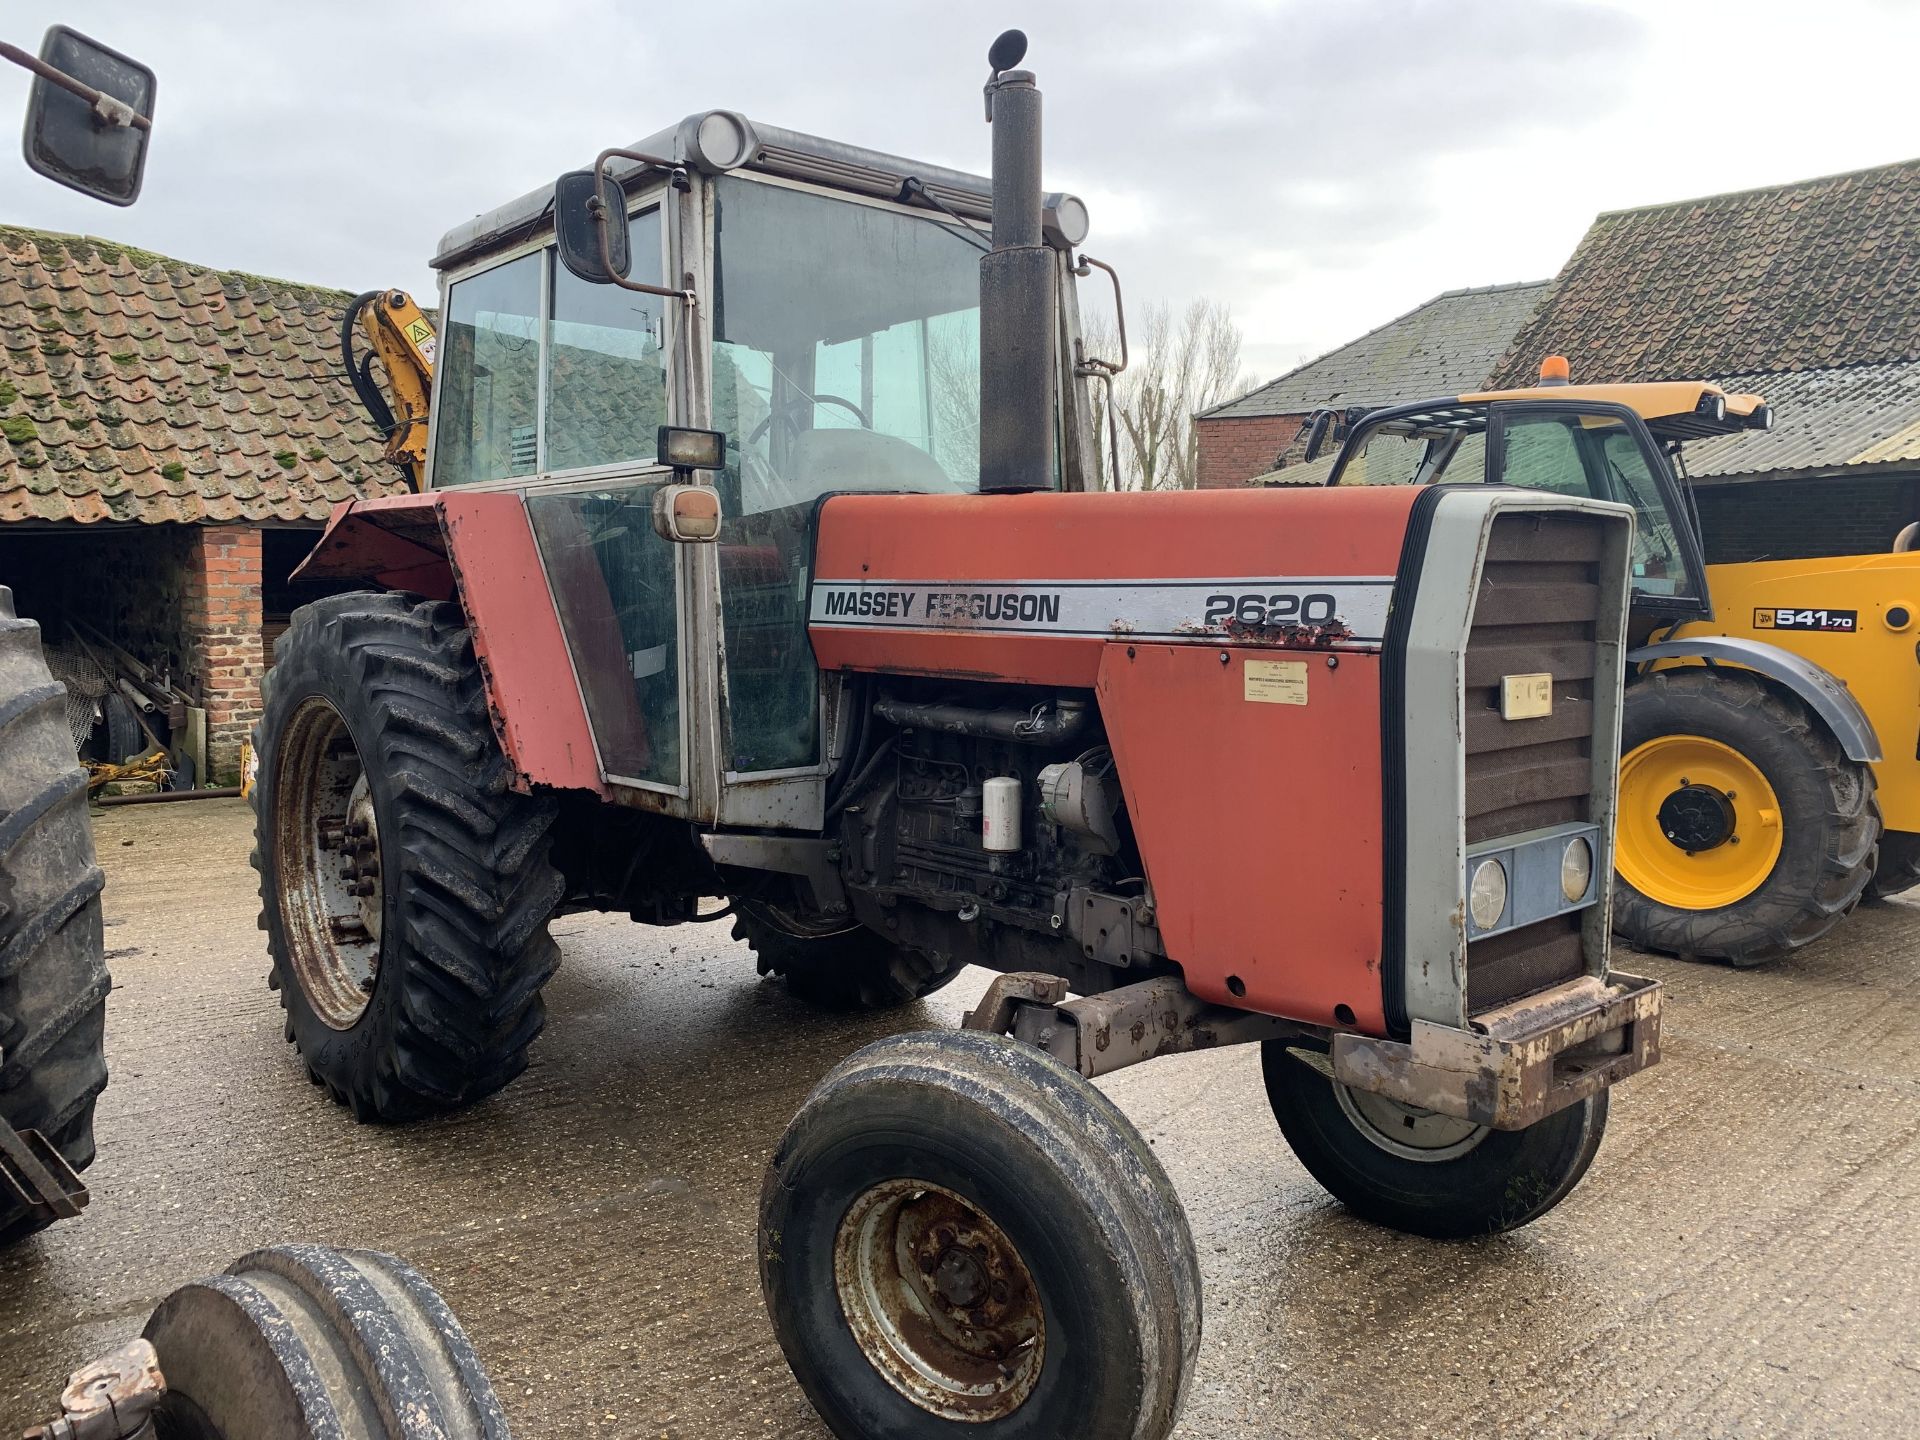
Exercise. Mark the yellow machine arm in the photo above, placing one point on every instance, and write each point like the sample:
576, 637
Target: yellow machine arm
402, 337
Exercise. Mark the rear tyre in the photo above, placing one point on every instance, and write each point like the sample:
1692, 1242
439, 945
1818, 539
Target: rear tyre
53, 977
960, 1236
847, 968
1744, 831
405, 888
1419, 1172
304, 1340
1898, 869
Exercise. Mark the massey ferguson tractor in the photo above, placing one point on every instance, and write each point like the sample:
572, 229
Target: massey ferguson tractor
764, 559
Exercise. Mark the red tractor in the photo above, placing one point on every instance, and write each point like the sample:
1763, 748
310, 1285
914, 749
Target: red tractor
765, 558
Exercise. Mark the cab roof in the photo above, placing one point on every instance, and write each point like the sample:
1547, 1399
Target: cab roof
1672, 409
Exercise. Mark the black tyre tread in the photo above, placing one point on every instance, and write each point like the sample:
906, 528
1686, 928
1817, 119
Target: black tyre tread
53, 974
475, 887
1301, 1098
1083, 1133
1789, 910
1897, 870
307, 1340
855, 969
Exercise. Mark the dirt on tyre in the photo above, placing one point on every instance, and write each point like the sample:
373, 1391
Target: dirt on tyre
1419, 1172
960, 1236
1743, 830
1898, 868
405, 887
841, 968
53, 975
304, 1341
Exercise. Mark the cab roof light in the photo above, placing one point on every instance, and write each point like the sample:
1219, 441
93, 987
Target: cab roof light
1554, 370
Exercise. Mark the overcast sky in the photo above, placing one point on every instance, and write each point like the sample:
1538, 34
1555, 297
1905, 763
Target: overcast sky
1321, 167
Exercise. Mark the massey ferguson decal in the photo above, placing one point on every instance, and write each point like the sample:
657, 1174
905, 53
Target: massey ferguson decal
1349, 610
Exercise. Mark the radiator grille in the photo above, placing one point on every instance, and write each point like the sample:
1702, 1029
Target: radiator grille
1537, 610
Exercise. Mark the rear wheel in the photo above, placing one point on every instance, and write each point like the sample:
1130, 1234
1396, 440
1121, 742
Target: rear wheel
405, 888
1744, 832
837, 966
1421, 1172
1898, 869
958, 1235
53, 976
303, 1340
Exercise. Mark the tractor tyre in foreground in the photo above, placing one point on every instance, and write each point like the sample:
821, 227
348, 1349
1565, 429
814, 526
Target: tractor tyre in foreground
1744, 831
1416, 1171
53, 977
405, 889
1898, 869
959, 1235
302, 1341
851, 968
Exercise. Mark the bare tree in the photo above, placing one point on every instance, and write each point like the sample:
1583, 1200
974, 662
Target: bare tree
1174, 371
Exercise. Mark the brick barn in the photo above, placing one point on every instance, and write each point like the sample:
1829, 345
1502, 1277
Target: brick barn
171, 439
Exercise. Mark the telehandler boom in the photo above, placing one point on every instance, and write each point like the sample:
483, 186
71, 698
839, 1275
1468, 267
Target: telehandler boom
763, 558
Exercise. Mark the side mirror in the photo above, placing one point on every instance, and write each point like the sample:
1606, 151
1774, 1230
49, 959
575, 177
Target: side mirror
590, 226
88, 117
1317, 431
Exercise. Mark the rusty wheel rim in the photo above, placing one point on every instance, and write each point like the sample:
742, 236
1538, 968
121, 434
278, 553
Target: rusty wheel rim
329, 870
1407, 1130
939, 1301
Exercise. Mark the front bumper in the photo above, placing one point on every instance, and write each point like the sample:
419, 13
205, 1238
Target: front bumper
1519, 1063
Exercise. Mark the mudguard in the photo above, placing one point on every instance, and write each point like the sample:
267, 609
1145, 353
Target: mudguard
1821, 693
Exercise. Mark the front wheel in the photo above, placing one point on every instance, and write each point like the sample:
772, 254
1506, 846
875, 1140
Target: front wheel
1417, 1171
1744, 830
957, 1234
837, 967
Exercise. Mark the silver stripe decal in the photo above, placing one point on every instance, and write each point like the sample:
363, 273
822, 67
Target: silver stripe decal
1330, 610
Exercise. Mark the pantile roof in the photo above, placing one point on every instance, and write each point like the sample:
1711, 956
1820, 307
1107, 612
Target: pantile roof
1808, 276
1444, 347
134, 387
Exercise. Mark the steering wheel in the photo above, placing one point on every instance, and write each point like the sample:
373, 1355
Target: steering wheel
807, 402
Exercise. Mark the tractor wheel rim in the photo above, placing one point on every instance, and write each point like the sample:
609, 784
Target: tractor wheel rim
940, 1301
1699, 825
1407, 1130
331, 892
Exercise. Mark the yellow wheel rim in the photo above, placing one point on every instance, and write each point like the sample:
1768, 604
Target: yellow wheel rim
1699, 826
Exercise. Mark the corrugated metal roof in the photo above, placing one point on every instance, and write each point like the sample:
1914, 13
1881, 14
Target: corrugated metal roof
1823, 419
134, 387
1444, 347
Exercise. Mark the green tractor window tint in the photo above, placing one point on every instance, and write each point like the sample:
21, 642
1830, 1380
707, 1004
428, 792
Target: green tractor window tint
489, 396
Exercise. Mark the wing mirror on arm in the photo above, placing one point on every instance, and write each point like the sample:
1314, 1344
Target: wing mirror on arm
1092, 367
1318, 428
590, 222
89, 115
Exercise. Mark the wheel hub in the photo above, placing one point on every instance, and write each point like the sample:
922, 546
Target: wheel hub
1697, 817
1407, 1130
939, 1301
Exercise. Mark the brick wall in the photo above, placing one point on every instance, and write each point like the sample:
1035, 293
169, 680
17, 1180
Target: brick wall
1804, 519
1233, 451
220, 608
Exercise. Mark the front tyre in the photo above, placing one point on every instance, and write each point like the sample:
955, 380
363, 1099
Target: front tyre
1744, 831
405, 888
960, 1236
845, 967
1416, 1171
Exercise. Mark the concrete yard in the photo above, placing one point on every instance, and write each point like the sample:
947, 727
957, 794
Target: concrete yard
1743, 1259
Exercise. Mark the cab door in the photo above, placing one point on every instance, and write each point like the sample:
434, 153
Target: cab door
1604, 451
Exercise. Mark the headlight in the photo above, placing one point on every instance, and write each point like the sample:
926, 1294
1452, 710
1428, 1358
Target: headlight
1487, 894
1576, 869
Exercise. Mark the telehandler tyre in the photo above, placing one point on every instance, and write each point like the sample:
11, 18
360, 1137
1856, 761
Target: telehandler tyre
1744, 831
846, 969
405, 889
959, 1235
1417, 1171
1898, 869
304, 1341
53, 977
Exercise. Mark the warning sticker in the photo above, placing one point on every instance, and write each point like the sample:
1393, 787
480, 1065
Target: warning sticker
420, 336
1276, 682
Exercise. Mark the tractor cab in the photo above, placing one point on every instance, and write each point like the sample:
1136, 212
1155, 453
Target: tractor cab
1611, 442
810, 314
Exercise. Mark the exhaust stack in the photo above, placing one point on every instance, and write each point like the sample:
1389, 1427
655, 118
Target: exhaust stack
1016, 290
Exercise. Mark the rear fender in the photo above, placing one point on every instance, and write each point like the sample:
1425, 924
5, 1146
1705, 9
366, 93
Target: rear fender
479, 548
1812, 685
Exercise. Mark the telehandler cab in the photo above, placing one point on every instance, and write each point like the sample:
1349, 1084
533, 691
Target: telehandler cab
763, 558
1753, 783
